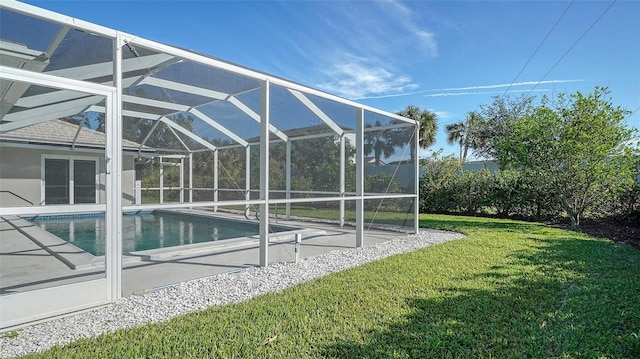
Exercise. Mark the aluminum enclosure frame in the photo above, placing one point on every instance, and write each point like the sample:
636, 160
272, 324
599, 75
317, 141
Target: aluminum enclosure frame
109, 290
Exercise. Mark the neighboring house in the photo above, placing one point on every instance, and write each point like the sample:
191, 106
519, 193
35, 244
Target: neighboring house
63, 160
475, 166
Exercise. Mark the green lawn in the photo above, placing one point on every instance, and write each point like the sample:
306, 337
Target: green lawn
509, 289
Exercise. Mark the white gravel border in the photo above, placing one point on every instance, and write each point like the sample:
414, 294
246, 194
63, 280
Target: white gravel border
199, 294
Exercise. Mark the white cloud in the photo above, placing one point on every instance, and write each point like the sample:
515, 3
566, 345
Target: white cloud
443, 115
407, 20
428, 42
377, 32
357, 78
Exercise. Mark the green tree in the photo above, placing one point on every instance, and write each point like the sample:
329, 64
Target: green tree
318, 160
437, 169
428, 121
309, 170
464, 133
496, 122
578, 144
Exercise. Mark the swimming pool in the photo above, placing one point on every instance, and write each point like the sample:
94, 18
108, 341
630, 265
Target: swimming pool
148, 230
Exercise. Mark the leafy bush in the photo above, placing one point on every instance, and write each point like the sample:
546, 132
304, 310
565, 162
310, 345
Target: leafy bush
435, 195
509, 192
625, 206
470, 191
630, 205
445, 188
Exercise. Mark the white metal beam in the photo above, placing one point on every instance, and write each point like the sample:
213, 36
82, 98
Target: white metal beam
316, 110
46, 113
177, 86
216, 95
416, 179
264, 174
62, 33
215, 179
172, 106
187, 55
342, 177
129, 113
219, 127
388, 127
184, 145
192, 56
153, 128
21, 57
187, 133
260, 76
156, 117
360, 178
355, 105
288, 178
183, 108
92, 71
190, 177
60, 96
51, 16
113, 185
246, 109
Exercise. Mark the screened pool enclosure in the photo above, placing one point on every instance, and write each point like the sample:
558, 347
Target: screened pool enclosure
97, 122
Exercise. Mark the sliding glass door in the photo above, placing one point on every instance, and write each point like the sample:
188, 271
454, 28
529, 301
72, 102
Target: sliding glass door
70, 180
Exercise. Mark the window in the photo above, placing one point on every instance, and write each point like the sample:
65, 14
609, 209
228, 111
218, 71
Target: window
56, 181
69, 180
84, 181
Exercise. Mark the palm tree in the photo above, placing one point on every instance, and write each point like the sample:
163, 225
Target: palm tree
428, 121
464, 134
380, 143
456, 134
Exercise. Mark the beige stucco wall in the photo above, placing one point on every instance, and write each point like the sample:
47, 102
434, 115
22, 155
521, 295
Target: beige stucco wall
21, 172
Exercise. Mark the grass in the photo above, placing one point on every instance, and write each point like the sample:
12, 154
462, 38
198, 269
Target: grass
509, 289
12, 334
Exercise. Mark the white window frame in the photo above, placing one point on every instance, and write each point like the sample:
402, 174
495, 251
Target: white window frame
71, 160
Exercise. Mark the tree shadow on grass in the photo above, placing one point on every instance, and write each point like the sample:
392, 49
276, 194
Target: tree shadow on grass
572, 298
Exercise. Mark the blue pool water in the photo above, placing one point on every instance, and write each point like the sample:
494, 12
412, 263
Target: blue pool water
150, 230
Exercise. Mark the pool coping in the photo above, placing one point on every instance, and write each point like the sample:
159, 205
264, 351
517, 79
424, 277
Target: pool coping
222, 245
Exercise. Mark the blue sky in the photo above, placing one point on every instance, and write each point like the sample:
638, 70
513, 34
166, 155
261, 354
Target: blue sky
446, 56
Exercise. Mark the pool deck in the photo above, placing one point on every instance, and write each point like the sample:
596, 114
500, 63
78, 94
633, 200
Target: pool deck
31, 261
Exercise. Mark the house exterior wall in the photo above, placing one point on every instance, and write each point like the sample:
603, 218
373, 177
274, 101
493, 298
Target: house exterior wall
20, 170
21, 175
128, 180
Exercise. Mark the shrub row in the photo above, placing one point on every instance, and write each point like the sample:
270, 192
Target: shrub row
510, 194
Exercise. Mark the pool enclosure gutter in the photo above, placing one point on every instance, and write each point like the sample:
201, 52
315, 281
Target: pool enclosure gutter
97, 292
